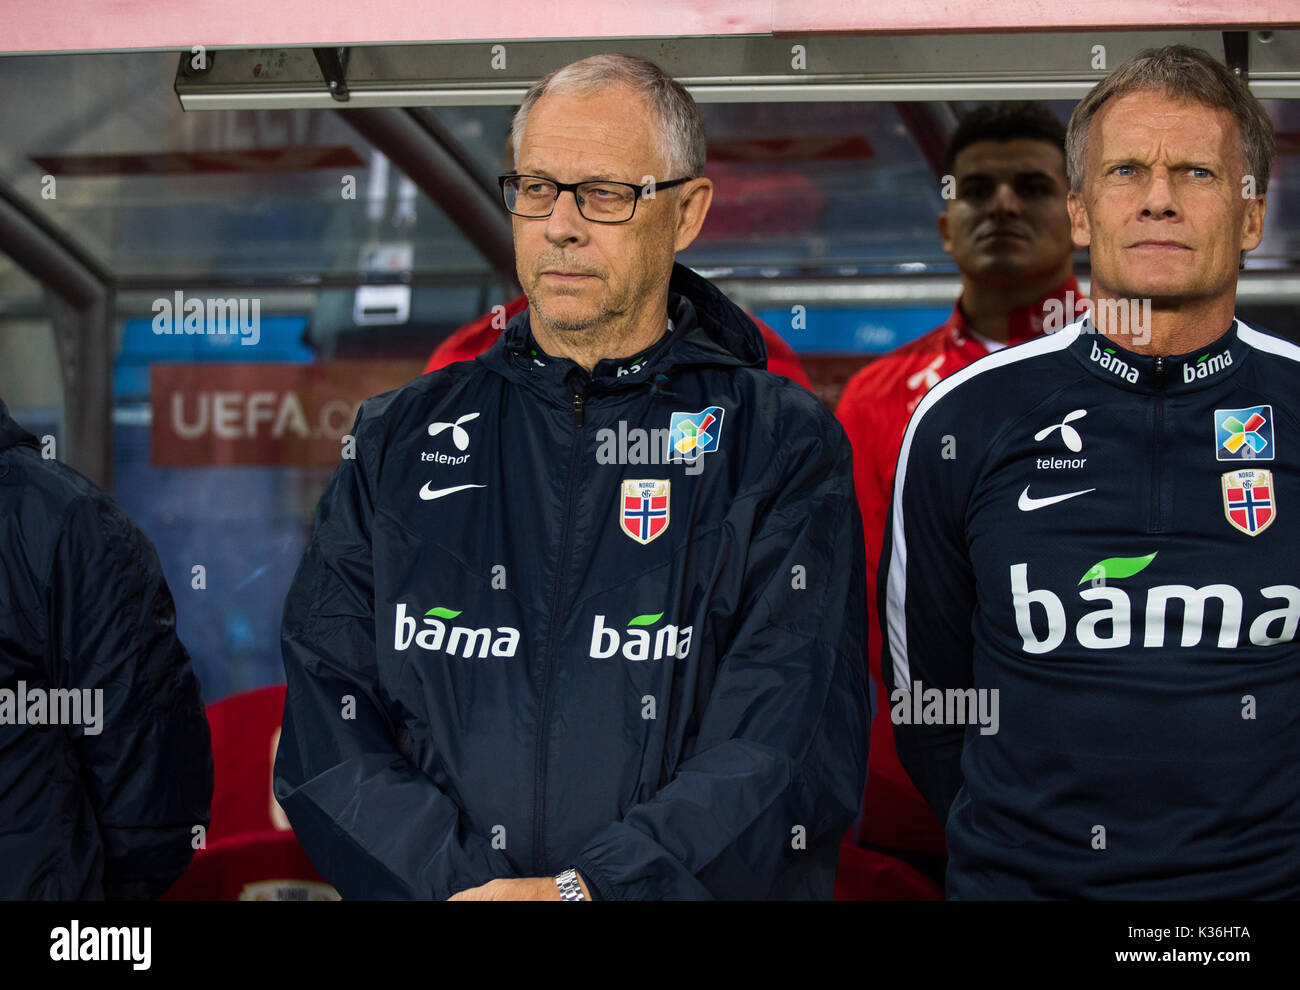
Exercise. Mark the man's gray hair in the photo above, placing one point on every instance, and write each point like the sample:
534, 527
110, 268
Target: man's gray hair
1179, 73
681, 128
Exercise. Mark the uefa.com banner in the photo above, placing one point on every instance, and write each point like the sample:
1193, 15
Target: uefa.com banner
211, 414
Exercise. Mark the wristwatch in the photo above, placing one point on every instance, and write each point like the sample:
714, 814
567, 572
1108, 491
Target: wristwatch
570, 889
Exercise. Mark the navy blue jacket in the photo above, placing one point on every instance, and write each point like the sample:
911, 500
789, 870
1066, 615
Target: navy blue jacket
100, 800
1111, 542
609, 622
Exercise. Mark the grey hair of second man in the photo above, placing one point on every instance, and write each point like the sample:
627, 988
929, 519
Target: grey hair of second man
1179, 72
680, 126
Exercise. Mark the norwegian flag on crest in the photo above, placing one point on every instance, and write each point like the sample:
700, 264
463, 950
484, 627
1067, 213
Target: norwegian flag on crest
1248, 500
643, 508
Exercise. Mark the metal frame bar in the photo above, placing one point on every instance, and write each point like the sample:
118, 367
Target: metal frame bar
79, 303
424, 156
745, 68
930, 133
197, 281
333, 63
941, 290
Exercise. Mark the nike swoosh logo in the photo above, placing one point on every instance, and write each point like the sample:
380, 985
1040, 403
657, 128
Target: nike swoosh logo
1028, 504
426, 493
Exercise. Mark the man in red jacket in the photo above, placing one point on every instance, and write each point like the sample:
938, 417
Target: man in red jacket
474, 338
1007, 228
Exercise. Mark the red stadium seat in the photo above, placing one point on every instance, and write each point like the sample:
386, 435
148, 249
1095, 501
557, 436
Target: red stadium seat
250, 851
866, 875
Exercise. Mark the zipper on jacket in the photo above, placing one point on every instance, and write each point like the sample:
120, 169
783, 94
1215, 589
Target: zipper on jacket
1156, 520
544, 716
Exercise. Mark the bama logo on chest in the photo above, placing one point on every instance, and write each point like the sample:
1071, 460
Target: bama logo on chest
438, 632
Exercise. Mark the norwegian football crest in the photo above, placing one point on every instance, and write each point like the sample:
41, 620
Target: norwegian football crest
643, 508
1248, 500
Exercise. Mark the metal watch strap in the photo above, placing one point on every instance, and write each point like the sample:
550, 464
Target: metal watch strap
570, 889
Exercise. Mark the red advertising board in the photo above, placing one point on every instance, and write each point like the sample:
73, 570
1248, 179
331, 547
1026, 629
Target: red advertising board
264, 414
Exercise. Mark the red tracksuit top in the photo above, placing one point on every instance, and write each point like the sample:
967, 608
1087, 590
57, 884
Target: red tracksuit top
874, 409
474, 338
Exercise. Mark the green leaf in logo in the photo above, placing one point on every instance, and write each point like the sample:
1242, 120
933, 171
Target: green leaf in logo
1117, 567
442, 613
1110, 350
646, 620
1203, 357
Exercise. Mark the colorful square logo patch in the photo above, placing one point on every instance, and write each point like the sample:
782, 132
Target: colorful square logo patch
1244, 434
691, 435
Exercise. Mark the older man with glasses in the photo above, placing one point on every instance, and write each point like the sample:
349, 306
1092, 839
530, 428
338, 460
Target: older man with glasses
577, 621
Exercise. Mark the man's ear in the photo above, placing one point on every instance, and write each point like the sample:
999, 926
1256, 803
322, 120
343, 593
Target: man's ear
943, 232
693, 201
1252, 230
1080, 228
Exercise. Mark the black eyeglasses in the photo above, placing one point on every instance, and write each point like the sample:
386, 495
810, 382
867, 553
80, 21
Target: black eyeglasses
599, 200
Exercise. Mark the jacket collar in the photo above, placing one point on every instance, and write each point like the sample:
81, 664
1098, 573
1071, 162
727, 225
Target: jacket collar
1171, 374
708, 329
